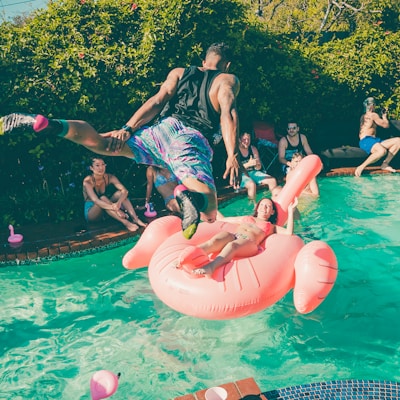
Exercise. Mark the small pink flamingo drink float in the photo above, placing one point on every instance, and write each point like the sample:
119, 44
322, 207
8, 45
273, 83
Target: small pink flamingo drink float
150, 211
15, 239
103, 384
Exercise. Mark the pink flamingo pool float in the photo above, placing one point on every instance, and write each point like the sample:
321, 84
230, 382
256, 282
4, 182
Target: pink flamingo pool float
14, 238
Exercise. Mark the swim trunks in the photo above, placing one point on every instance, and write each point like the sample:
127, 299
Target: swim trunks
256, 176
368, 142
171, 144
88, 205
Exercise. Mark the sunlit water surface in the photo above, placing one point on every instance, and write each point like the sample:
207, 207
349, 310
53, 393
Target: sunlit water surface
63, 320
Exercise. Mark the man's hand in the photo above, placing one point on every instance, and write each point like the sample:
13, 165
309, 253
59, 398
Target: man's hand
234, 171
251, 163
117, 139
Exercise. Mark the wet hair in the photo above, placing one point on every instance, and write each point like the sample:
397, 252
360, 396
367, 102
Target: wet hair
368, 102
245, 133
273, 217
298, 155
222, 50
94, 158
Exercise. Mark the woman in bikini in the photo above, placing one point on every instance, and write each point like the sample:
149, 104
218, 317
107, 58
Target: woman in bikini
99, 199
250, 232
165, 183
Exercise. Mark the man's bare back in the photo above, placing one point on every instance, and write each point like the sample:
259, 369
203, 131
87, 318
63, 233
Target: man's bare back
368, 125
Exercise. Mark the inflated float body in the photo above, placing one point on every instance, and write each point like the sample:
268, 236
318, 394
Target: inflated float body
243, 286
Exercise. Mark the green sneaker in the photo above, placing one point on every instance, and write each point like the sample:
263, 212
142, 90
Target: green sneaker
189, 210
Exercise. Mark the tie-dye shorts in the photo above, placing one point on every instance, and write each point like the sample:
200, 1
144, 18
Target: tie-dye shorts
170, 144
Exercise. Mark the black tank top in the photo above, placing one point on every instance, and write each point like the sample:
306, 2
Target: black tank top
290, 150
244, 159
191, 103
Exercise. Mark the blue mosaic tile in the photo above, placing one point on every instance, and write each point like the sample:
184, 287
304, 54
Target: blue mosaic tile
352, 389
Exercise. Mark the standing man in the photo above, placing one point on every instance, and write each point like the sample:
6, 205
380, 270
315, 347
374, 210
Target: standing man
293, 142
370, 143
192, 104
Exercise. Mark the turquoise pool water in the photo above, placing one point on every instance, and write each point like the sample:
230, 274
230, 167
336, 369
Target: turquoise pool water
64, 320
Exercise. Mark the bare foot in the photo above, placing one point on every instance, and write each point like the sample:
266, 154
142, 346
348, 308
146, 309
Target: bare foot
207, 272
386, 167
358, 171
131, 227
140, 223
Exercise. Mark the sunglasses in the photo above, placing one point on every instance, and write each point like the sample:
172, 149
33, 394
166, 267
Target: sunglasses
291, 128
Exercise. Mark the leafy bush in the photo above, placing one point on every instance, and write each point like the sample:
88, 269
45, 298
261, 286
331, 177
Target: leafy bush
98, 60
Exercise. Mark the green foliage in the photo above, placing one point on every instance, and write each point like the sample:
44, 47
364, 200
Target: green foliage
98, 60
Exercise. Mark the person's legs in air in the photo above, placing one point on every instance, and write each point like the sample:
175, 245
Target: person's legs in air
79, 132
188, 155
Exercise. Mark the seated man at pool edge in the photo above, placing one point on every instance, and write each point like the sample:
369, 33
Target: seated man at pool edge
370, 143
250, 232
179, 138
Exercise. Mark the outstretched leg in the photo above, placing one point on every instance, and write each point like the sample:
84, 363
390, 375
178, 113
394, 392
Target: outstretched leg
235, 248
79, 132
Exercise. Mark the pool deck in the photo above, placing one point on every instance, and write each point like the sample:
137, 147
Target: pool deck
364, 389
58, 240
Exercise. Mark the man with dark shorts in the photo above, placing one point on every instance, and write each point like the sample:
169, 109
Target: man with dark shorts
192, 105
373, 145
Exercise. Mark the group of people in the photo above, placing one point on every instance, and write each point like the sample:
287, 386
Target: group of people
291, 149
191, 105
104, 193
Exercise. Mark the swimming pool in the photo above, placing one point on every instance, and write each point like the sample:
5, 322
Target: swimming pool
64, 320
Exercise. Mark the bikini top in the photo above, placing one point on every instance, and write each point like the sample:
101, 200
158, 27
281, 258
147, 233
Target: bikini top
162, 179
106, 179
265, 226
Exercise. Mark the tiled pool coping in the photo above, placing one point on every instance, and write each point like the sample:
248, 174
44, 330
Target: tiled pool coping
357, 389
